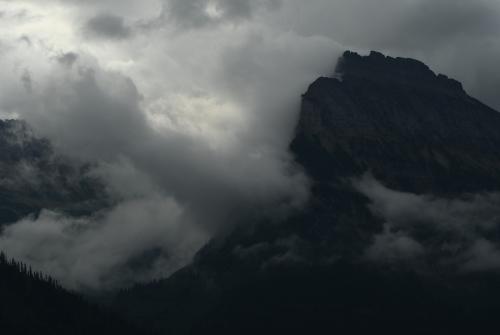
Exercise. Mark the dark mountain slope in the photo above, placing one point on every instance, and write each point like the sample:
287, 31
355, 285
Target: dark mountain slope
34, 177
31, 304
414, 131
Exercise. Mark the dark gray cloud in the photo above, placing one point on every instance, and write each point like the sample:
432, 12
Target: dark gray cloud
68, 58
200, 13
389, 24
27, 81
108, 26
431, 23
394, 246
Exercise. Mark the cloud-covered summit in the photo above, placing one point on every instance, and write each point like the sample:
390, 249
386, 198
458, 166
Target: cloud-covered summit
189, 106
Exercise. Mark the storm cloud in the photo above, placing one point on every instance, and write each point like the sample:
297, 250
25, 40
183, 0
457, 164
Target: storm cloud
188, 107
199, 13
108, 26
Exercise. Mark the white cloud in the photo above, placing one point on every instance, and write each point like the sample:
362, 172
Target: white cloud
98, 252
461, 233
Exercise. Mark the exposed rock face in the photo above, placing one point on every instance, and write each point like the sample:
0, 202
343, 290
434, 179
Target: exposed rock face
33, 177
414, 131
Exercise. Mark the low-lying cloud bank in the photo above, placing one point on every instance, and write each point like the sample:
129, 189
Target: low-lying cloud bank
138, 240
454, 233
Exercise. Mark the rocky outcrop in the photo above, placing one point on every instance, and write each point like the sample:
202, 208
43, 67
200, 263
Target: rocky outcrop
33, 177
413, 130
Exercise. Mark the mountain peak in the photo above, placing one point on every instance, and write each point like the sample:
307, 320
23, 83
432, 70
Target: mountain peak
396, 118
383, 69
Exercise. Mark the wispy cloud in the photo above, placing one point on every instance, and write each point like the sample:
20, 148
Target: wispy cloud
459, 233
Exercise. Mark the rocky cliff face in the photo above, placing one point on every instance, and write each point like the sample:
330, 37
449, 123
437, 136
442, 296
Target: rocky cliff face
420, 137
413, 130
33, 177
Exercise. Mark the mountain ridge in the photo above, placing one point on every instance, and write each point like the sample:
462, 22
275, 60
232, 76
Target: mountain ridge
395, 120
310, 273
406, 71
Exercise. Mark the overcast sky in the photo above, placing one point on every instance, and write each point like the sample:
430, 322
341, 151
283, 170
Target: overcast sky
189, 105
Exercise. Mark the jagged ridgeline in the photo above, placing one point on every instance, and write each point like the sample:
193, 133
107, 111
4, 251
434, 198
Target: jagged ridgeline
33, 177
32, 303
416, 133
394, 117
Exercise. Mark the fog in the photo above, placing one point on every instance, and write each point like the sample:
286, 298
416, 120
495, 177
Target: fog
460, 233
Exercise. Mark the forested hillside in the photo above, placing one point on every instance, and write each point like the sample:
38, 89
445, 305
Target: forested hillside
32, 303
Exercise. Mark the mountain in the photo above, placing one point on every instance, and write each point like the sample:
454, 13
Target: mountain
399, 235
34, 177
413, 130
31, 303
